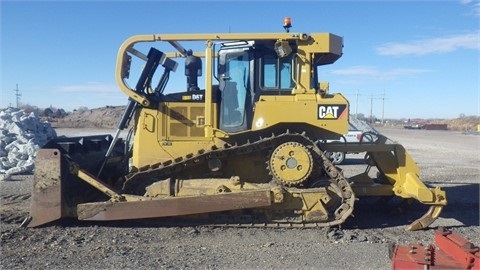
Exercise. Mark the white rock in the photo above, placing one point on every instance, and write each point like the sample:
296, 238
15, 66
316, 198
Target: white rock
20, 137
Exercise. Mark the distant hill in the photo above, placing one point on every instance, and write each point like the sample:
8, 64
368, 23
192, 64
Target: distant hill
109, 116
104, 117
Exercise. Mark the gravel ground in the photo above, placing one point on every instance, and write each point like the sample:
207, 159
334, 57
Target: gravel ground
446, 158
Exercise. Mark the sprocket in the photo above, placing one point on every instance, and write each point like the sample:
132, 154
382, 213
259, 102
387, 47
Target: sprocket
290, 163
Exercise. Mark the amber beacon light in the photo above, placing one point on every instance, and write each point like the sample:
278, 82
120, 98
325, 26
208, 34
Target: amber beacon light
287, 23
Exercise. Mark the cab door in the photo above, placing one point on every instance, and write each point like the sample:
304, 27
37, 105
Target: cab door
234, 84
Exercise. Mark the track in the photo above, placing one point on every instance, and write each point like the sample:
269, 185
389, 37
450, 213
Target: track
149, 174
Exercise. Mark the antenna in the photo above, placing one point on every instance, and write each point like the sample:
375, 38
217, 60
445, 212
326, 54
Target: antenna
17, 94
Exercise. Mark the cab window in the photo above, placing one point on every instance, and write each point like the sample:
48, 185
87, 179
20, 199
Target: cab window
276, 72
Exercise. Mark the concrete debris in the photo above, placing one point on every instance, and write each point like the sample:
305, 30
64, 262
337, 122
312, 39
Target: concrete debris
21, 135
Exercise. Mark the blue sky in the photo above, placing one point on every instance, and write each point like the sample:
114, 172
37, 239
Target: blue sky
424, 55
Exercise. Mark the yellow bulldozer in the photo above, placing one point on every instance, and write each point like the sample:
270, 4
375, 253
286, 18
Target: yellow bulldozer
249, 148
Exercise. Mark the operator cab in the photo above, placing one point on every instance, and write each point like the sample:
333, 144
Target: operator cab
248, 70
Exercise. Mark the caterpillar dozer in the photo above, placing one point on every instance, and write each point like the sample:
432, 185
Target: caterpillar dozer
249, 148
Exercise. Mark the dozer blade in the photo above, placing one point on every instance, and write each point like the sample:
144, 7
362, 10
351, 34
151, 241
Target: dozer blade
174, 206
56, 191
47, 204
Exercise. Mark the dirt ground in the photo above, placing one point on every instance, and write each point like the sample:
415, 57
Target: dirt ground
446, 158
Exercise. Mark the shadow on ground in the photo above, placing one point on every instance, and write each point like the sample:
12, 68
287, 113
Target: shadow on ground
463, 208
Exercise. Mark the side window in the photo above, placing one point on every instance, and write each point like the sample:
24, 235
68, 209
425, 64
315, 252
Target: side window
269, 71
286, 73
276, 72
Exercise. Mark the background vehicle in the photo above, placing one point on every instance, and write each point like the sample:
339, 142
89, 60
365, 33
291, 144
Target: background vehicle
359, 132
243, 150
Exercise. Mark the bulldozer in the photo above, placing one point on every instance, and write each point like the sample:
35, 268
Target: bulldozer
243, 143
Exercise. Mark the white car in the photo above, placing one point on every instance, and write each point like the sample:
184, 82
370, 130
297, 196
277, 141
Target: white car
354, 136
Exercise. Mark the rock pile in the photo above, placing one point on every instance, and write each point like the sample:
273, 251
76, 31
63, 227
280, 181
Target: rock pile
21, 135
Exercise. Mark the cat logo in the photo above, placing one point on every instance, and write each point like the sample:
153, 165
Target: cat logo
331, 112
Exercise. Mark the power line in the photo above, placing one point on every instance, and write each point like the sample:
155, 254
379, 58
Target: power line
372, 97
17, 94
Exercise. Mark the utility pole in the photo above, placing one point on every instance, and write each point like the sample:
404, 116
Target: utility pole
356, 106
383, 107
371, 108
17, 94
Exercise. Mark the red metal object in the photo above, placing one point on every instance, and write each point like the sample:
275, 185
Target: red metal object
451, 251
